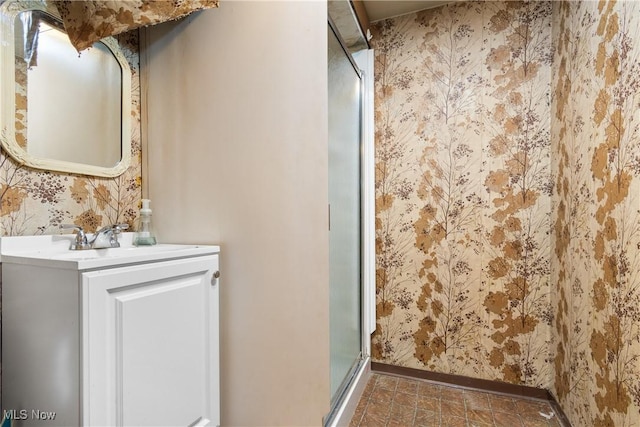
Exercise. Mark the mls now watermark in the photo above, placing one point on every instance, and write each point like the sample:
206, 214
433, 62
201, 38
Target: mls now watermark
24, 414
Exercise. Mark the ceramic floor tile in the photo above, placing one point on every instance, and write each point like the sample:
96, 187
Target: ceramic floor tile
534, 422
428, 403
356, 419
555, 422
387, 382
480, 416
407, 386
381, 395
405, 399
506, 419
426, 418
452, 408
428, 389
532, 407
368, 389
454, 422
371, 421
452, 394
477, 400
402, 415
502, 404
362, 404
391, 401
380, 412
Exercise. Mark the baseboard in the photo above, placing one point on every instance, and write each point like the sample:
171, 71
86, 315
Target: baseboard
343, 414
476, 384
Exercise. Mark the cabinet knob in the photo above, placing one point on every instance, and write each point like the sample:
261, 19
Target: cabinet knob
216, 275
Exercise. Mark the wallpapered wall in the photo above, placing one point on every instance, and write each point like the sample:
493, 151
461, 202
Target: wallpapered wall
508, 198
36, 202
463, 189
596, 226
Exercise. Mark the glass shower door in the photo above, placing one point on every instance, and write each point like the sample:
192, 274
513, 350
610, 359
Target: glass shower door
344, 216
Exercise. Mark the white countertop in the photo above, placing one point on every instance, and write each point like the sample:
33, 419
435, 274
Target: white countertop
53, 251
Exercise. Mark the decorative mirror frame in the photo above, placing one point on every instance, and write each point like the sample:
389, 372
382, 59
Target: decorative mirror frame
8, 13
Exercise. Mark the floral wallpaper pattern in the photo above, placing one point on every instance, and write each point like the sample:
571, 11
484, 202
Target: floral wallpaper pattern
36, 202
89, 21
508, 198
596, 152
463, 190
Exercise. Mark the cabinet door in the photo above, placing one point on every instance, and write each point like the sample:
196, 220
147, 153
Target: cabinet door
151, 344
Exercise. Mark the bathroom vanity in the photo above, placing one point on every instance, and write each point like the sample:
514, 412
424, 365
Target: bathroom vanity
121, 336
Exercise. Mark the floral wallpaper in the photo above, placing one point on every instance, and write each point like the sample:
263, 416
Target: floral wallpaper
89, 21
36, 202
596, 152
508, 198
463, 186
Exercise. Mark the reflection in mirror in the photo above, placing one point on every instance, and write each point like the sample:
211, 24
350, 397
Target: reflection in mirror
71, 111
85, 85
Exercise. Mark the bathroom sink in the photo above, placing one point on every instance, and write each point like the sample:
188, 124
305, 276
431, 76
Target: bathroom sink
53, 251
119, 252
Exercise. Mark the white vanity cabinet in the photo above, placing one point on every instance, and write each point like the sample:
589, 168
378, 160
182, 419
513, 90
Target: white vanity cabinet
132, 344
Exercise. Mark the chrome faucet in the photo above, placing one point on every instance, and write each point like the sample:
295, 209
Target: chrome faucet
106, 237
81, 241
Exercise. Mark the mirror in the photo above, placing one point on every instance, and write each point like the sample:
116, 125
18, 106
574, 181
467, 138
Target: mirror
61, 110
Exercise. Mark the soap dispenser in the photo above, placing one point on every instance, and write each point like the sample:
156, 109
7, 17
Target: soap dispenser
144, 235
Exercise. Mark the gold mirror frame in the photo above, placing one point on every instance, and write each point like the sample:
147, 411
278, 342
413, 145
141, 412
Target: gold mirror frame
9, 11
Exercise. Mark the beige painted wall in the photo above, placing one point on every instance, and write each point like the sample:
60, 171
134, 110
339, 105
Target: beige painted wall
237, 154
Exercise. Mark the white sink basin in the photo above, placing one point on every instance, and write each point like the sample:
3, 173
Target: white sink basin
53, 251
119, 252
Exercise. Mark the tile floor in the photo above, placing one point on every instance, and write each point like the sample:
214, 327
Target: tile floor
390, 401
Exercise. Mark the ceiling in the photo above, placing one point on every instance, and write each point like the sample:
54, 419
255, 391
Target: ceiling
383, 9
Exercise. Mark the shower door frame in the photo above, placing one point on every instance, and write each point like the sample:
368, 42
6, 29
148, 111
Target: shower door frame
340, 400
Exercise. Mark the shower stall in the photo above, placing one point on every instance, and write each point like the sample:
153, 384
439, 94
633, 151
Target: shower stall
345, 199
350, 213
